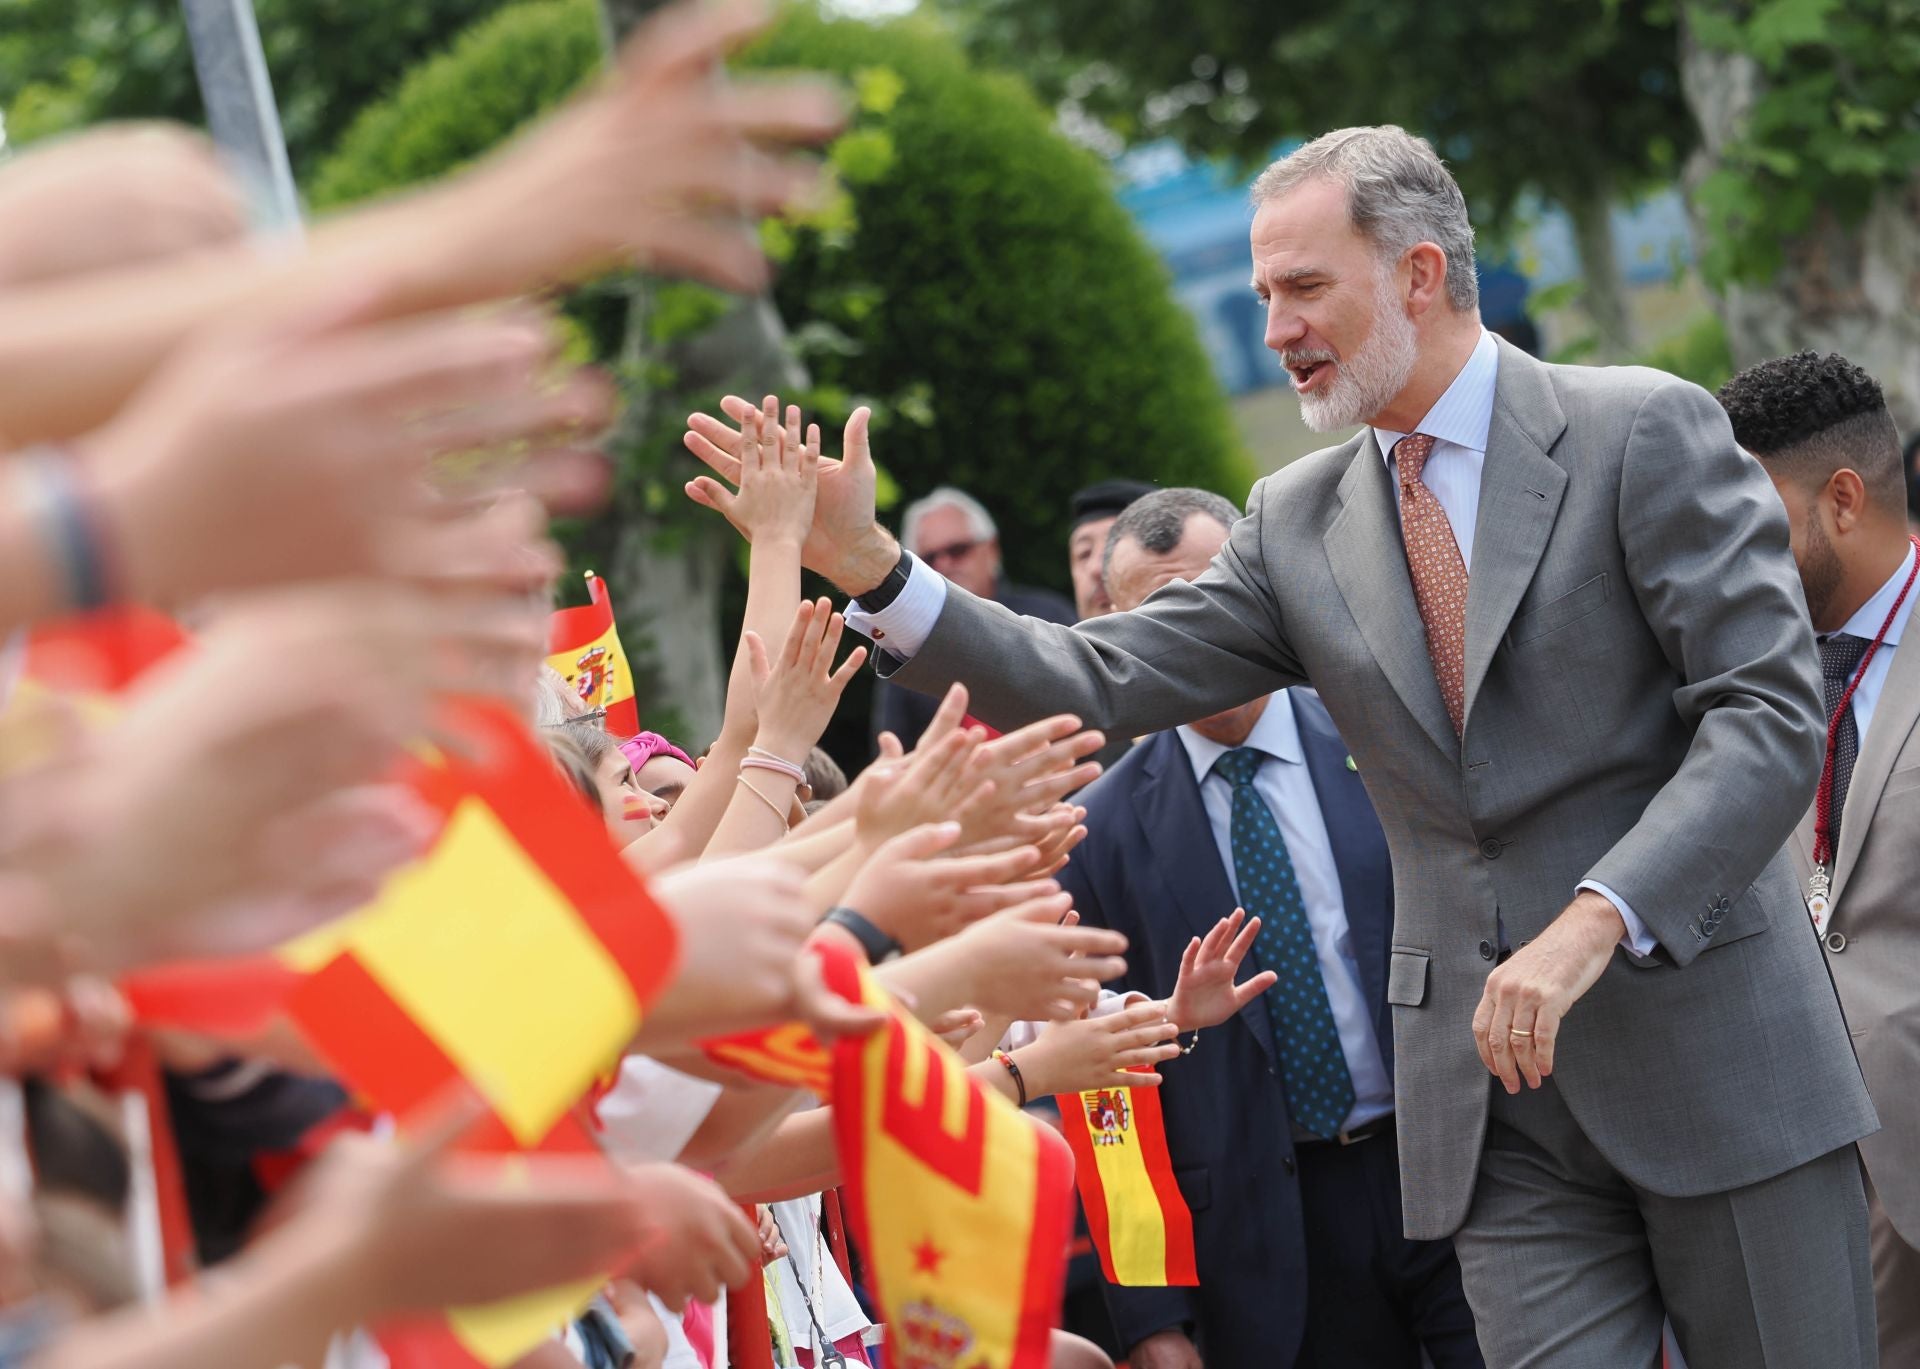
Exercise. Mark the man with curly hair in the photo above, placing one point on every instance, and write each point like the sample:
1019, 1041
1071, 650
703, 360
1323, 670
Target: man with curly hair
1821, 428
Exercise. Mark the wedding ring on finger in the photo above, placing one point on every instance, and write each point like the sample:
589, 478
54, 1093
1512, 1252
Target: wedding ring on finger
1519, 1035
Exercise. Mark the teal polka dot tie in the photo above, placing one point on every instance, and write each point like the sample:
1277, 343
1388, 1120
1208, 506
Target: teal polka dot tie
1319, 1087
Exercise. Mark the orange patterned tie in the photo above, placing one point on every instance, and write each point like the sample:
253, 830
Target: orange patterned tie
1439, 574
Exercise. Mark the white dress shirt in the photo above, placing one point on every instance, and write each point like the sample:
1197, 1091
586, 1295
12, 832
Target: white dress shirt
1865, 624
1458, 423
1287, 786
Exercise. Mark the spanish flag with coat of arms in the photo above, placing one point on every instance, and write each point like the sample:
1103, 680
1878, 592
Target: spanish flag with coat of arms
1138, 1220
584, 645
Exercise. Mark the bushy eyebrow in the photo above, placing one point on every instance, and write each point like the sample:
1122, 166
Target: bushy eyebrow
1293, 277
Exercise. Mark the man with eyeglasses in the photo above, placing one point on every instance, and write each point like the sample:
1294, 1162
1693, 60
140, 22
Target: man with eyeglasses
953, 533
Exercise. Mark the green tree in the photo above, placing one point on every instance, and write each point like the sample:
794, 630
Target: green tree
66, 63
972, 277
1576, 101
1807, 189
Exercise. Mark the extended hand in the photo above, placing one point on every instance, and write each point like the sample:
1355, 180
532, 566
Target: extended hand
844, 543
1518, 1020
1205, 994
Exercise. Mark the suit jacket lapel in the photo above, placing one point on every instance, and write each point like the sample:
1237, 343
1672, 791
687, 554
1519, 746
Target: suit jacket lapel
1369, 562
1520, 491
1894, 717
1186, 856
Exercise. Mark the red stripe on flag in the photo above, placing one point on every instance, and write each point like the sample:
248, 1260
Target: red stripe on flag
1086, 1175
428, 1343
239, 996
1150, 1127
369, 1040
623, 718
1046, 1247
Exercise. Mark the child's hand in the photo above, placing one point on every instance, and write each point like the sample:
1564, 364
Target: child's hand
779, 477
1205, 994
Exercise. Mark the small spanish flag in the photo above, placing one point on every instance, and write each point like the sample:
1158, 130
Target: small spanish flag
1135, 1214
961, 1202
788, 1055
584, 645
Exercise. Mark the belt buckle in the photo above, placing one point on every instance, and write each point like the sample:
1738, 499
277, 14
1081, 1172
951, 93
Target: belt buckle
1347, 1138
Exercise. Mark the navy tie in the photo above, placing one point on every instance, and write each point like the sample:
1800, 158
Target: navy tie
1839, 658
1314, 1068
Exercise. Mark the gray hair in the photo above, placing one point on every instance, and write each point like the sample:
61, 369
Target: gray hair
1158, 521
1399, 193
980, 525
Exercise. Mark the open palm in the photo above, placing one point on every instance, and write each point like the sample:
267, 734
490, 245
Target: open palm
843, 513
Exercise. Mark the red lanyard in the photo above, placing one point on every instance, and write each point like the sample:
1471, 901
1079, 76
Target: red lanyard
1823, 799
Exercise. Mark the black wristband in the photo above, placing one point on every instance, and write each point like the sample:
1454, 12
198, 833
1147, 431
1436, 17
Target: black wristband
1012, 1067
876, 943
888, 589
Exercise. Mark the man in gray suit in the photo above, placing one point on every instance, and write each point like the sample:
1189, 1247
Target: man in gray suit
1820, 426
1553, 613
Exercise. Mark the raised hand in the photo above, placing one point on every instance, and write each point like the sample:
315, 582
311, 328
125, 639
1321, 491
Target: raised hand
844, 543
665, 165
1205, 994
1031, 769
913, 895
1026, 965
1087, 1052
779, 477
797, 696
353, 412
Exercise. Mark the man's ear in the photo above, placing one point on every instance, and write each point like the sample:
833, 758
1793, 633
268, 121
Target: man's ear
1427, 265
1848, 493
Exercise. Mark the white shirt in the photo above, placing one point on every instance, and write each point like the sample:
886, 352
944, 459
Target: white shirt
809, 1265
1458, 421
1865, 624
1287, 786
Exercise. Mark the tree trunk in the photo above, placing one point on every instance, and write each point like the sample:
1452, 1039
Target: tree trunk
1847, 288
669, 570
1605, 294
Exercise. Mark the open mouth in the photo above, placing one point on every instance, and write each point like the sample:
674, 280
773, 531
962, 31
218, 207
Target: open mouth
1310, 377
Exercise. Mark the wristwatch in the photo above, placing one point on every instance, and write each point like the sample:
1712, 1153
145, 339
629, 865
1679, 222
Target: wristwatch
877, 944
888, 589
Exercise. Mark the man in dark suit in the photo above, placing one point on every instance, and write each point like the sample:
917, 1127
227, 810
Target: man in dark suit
1298, 1235
954, 534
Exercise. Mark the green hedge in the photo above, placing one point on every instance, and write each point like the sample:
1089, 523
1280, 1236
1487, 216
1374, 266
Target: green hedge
986, 289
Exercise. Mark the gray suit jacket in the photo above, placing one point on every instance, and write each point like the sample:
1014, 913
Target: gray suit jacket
1873, 930
1642, 709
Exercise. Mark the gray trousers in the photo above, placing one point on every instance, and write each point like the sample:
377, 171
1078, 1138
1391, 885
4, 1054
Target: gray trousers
1569, 1266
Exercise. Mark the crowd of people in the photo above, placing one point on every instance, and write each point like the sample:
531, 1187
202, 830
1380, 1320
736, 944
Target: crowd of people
1437, 835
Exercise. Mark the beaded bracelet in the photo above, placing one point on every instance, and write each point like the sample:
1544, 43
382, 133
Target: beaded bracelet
1019, 1080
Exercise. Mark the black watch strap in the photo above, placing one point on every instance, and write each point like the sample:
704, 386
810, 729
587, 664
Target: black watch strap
876, 943
888, 589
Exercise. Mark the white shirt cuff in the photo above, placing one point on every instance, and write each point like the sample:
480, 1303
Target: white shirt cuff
904, 625
1636, 938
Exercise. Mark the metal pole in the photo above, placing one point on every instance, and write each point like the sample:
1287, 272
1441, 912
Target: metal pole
241, 113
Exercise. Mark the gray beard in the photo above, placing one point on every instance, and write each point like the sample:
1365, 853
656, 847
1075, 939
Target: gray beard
1366, 383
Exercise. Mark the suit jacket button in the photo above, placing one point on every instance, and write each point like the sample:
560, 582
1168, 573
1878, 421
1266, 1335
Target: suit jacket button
1490, 849
1286, 1163
1836, 942
1486, 950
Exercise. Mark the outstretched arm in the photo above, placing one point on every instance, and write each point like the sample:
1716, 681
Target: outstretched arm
1189, 651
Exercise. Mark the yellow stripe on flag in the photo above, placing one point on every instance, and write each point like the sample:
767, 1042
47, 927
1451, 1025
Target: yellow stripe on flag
605, 662
509, 1000
1139, 1244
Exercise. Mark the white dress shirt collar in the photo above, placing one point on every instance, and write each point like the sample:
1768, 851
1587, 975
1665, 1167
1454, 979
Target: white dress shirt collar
1277, 733
1866, 619
1464, 413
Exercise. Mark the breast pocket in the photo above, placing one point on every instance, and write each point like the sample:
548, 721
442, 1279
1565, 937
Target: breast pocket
1569, 608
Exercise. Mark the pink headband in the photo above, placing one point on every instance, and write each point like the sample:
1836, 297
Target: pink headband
643, 748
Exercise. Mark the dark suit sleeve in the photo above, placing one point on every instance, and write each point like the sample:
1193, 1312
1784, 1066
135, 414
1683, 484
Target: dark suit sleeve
1137, 1312
1705, 540
1191, 650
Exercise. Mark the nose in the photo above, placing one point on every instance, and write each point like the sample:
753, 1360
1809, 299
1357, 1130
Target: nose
1285, 327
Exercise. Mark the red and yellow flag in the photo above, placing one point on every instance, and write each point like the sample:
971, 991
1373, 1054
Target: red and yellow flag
788, 1055
1135, 1214
584, 645
961, 1202
518, 954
